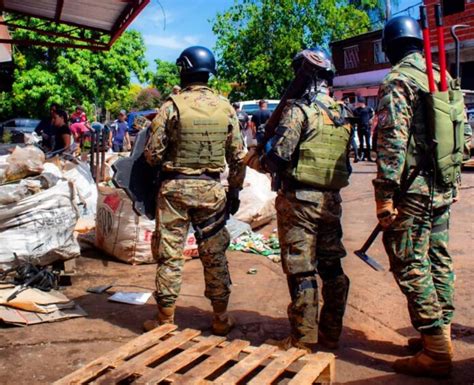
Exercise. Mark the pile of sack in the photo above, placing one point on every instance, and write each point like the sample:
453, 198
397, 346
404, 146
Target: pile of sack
40, 204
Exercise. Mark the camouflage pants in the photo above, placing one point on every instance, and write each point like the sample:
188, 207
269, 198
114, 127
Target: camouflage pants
417, 246
310, 237
179, 203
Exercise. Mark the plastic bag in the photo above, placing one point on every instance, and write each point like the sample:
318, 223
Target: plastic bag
23, 162
39, 228
12, 193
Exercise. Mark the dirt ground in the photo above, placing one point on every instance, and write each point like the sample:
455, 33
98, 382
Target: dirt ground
376, 324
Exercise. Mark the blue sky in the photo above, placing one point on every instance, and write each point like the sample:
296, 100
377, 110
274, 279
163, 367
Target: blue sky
187, 23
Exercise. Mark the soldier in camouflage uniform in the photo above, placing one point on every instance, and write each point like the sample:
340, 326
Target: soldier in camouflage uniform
192, 136
416, 231
309, 151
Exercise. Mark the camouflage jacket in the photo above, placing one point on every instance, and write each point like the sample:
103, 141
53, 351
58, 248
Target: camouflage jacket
399, 98
167, 120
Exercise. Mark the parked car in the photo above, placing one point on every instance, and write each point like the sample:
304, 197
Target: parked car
250, 106
14, 130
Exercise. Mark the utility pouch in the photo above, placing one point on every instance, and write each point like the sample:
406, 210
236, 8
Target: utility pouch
445, 119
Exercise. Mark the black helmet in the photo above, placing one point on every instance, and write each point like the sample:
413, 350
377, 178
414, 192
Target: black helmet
196, 59
327, 69
401, 27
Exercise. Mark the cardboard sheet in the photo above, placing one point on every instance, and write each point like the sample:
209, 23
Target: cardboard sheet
36, 300
24, 318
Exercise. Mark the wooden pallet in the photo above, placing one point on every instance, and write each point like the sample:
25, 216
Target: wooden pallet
165, 355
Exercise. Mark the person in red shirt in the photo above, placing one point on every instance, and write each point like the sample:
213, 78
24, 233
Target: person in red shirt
79, 124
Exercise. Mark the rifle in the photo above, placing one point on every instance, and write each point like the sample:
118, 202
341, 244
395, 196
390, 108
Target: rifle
362, 252
310, 65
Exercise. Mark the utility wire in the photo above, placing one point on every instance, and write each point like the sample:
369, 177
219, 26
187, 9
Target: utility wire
164, 14
408, 10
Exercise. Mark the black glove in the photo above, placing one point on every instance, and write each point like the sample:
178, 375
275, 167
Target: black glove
233, 201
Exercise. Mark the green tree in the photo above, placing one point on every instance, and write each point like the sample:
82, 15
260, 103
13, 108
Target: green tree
256, 40
147, 99
124, 100
74, 76
166, 76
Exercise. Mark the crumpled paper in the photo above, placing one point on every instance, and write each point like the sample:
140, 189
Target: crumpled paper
256, 243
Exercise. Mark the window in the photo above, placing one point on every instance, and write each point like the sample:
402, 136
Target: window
371, 101
452, 6
351, 57
379, 55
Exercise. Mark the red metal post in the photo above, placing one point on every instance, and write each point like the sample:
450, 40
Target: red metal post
427, 46
53, 44
127, 16
54, 34
441, 49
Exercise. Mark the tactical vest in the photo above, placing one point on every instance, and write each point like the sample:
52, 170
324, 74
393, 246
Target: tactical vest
199, 141
437, 127
322, 161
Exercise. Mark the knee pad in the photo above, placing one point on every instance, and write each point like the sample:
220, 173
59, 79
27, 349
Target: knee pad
330, 269
300, 282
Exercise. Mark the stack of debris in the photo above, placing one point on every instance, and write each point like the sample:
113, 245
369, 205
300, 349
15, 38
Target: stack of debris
40, 204
28, 295
33, 306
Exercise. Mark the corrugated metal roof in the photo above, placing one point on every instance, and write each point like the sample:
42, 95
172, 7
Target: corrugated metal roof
110, 17
94, 14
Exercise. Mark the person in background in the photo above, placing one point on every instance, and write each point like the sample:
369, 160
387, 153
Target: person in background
176, 90
348, 107
45, 128
62, 133
79, 115
247, 133
364, 114
467, 137
79, 125
119, 139
262, 115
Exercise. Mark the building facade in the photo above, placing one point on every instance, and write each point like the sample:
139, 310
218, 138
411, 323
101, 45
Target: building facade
456, 12
360, 66
6, 65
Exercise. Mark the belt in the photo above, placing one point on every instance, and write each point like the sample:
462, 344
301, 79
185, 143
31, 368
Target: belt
215, 176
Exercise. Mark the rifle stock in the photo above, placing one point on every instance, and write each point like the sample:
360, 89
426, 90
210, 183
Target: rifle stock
311, 63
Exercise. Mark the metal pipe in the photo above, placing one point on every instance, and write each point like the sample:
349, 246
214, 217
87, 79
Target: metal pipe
457, 73
92, 153
427, 46
97, 159
441, 48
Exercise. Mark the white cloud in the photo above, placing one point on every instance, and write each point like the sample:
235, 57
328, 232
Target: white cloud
153, 17
191, 40
171, 42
